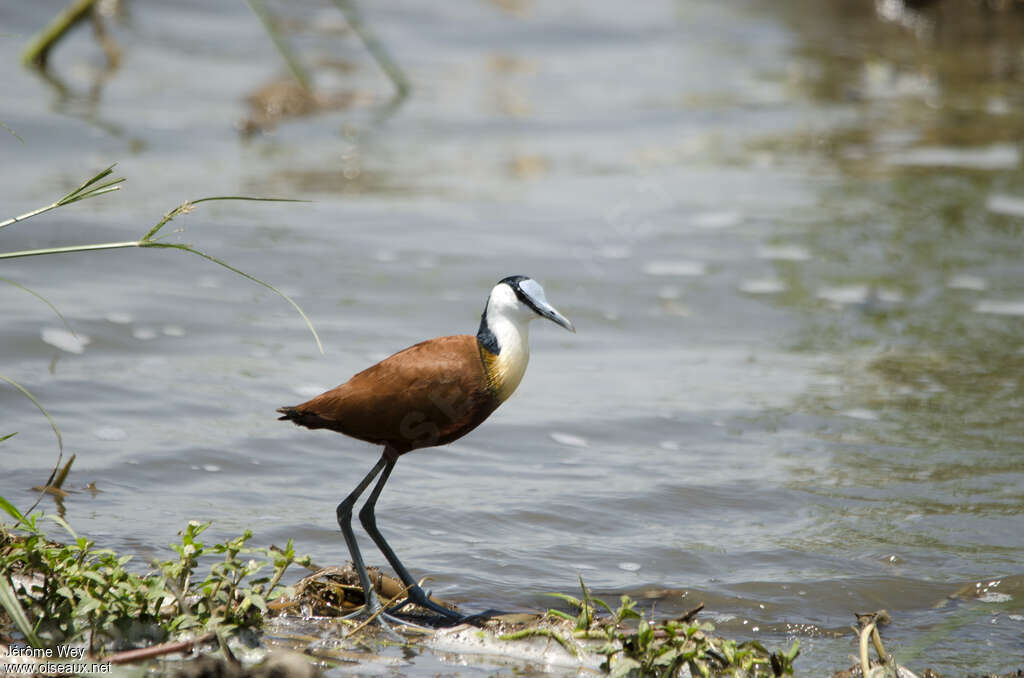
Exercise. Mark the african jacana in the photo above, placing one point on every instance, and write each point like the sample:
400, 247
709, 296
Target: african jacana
429, 394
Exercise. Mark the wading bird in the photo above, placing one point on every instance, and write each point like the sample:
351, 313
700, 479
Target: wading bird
429, 394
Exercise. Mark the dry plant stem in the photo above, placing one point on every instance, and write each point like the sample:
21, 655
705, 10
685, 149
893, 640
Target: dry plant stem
865, 634
373, 616
58, 482
300, 586
131, 656
869, 630
876, 640
54, 485
38, 50
689, 616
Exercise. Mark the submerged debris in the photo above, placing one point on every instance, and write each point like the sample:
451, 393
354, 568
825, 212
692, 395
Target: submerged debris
285, 98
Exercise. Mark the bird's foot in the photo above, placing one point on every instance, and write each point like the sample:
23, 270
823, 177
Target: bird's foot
417, 596
374, 613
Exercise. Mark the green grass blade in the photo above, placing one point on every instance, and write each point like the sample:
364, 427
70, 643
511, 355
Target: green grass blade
187, 248
245, 197
186, 207
561, 615
9, 601
27, 394
63, 523
45, 301
53, 425
102, 174
108, 187
8, 436
80, 193
566, 597
11, 510
99, 190
606, 606
71, 248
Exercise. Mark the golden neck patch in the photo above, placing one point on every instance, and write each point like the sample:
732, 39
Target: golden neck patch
503, 371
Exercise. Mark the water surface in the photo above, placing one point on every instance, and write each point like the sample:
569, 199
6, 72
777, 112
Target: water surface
789, 237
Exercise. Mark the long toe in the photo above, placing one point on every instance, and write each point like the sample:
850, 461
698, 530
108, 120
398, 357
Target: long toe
378, 616
417, 596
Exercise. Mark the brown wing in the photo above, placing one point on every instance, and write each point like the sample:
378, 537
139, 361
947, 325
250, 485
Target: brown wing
429, 394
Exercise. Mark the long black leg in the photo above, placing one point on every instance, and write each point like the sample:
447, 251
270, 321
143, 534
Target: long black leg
415, 593
345, 522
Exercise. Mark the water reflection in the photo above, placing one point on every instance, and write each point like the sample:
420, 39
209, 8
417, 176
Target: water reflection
912, 284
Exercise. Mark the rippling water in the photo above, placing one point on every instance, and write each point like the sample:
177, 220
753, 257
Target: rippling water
788, 234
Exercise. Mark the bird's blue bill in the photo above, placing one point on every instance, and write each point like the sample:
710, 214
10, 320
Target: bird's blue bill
535, 293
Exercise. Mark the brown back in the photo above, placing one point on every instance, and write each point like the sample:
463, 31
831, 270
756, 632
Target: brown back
429, 394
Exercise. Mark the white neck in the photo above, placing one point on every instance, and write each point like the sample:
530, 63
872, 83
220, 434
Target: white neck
514, 352
508, 322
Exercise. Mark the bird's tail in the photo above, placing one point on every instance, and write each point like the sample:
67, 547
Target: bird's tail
290, 414
302, 417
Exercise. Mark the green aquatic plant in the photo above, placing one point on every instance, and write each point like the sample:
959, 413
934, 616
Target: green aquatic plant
59, 593
231, 597
662, 648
